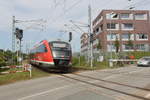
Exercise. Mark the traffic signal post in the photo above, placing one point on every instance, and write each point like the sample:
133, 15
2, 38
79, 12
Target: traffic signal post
19, 36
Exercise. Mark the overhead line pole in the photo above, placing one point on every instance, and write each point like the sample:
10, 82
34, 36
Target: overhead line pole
90, 38
13, 39
14, 21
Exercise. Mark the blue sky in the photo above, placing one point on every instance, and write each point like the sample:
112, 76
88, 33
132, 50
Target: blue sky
56, 13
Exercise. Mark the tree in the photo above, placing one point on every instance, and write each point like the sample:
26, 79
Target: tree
117, 44
130, 42
2, 58
99, 46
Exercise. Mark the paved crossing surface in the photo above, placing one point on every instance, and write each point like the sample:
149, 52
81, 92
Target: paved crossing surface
126, 83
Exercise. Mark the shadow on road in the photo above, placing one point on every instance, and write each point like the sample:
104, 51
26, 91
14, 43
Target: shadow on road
59, 71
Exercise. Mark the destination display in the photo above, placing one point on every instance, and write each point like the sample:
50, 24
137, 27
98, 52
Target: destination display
59, 45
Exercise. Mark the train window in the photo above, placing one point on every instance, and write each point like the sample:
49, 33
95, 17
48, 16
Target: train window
41, 49
45, 49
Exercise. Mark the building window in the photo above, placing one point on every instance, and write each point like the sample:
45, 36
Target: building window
142, 36
127, 36
112, 26
142, 47
111, 48
126, 16
127, 47
112, 36
141, 16
127, 26
112, 16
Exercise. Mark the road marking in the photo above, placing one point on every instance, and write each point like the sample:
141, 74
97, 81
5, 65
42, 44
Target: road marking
112, 76
120, 74
41, 93
136, 71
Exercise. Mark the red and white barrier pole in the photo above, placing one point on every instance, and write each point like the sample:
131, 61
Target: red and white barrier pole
26, 68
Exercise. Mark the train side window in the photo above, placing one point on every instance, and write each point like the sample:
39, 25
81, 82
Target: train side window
41, 49
45, 49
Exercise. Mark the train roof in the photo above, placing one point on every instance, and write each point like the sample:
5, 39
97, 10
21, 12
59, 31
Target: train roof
58, 41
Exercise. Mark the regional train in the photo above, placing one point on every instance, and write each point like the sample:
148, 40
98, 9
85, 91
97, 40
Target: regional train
54, 54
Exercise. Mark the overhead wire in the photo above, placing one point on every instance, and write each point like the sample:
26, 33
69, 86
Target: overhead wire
56, 18
67, 10
136, 4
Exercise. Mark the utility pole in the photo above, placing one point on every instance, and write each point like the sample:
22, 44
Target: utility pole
13, 40
90, 37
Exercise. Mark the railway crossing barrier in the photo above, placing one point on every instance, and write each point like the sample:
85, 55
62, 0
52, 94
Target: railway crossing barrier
14, 69
111, 61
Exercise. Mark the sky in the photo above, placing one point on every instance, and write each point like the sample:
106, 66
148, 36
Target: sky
56, 15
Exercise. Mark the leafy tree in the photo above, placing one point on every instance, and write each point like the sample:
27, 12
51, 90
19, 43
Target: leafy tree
5, 57
117, 44
99, 46
130, 42
2, 59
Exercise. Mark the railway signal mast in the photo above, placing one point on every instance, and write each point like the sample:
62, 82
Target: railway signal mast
17, 34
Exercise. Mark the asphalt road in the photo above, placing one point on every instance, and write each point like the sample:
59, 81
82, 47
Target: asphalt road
127, 83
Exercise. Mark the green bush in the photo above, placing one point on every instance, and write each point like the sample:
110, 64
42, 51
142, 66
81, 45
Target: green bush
78, 61
139, 54
75, 61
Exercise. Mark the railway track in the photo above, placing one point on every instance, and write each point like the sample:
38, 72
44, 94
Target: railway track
79, 76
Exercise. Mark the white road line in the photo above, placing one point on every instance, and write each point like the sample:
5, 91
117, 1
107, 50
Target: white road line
41, 93
44, 92
136, 71
117, 75
112, 76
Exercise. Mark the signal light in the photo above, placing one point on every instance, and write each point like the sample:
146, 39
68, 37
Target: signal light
70, 36
19, 33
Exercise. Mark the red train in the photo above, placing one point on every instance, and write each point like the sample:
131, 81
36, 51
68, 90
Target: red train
54, 54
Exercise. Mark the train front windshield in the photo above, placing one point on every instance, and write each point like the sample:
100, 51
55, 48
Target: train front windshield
60, 49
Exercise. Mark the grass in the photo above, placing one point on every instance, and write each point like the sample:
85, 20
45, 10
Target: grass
84, 66
96, 65
105, 64
13, 77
